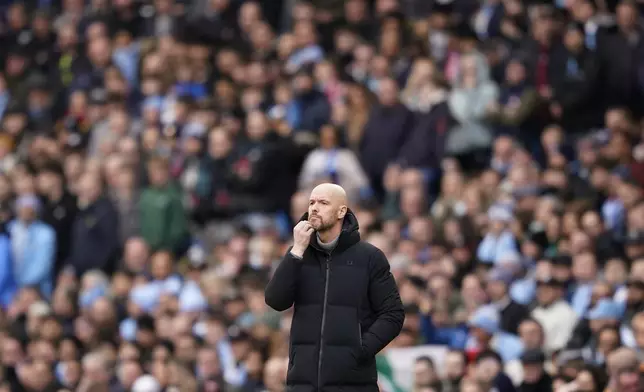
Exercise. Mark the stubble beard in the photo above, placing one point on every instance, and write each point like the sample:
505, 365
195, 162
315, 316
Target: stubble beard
320, 225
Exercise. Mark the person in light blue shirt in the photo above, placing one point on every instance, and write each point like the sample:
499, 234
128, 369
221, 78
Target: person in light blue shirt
605, 314
499, 240
585, 272
486, 334
33, 247
308, 51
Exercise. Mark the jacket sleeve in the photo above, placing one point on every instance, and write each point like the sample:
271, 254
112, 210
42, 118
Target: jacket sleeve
280, 290
386, 304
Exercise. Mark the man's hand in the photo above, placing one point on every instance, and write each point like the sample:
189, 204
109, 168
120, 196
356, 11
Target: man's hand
301, 238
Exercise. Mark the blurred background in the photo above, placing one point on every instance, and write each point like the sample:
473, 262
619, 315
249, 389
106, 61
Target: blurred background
155, 154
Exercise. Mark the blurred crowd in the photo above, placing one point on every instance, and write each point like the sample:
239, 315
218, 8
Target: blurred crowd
155, 154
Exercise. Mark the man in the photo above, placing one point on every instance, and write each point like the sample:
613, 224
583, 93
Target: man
95, 242
347, 305
33, 247
59, 210
384, 134
486, 335
425, 374
557, 318
455, 370
511, 313
535, 377
163, 221
623, 371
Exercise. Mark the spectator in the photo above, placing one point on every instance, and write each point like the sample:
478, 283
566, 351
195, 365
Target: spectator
468, 102
95, 230
535, 377
486, 335
163, 224
59, 211
330, 163
554, 314
516, 104
384, 133
512, 313
312, 106
33, 247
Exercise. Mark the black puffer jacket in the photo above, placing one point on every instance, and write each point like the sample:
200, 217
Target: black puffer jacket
347, 309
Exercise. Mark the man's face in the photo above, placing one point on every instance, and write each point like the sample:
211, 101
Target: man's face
27, 214
532, 373
89, 189
530, 335
388, 92
323, 210
454, 366
158, 175
626, 16
207, 363
635, 295
423, 374
546, 294
303, 83
47, 182
496, 290
12, 353
638, 331
629, 381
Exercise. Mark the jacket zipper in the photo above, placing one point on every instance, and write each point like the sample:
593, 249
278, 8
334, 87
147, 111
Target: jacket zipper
326, 292
360, 333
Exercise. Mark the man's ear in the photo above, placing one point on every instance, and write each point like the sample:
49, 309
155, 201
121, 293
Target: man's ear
342, 212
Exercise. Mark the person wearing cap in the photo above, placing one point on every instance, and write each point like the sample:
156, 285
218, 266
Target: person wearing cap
486, 334
605, 314
347, 305
555, 315
488, 371
33, 245
535, 377
499, 240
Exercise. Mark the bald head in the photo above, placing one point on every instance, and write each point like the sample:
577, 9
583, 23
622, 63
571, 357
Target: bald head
334, 192
327, 208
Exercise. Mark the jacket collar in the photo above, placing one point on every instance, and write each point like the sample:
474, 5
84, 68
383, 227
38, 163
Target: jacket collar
348, 237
